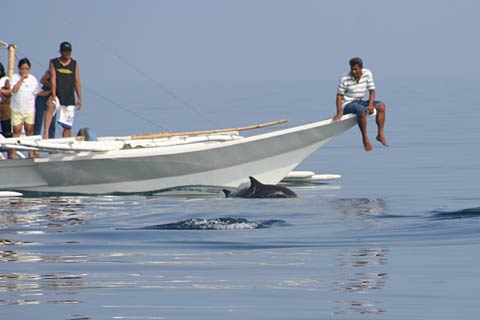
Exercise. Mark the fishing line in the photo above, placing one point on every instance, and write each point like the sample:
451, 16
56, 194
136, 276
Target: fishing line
95, 93
31, 59
125, 108
167, 91
144, 74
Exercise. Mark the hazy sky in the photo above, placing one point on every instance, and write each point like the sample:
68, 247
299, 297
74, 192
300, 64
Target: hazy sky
126, 48
194, 41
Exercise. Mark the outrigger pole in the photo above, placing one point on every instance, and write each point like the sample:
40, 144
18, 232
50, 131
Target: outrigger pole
11, 56
11, 59
194, 133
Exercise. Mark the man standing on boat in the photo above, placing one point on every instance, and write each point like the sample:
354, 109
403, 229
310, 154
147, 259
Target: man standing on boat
65, 81
352, 88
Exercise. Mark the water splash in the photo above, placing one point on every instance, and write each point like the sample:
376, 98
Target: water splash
216, 224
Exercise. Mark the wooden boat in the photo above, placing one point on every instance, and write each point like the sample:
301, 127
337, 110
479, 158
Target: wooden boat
147, 163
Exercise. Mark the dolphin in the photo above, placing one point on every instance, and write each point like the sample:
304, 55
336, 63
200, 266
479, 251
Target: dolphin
260, 190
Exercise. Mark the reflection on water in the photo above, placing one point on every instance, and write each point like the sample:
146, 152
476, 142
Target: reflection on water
23, 256
363, 257
364, 268
354, 207
21, 218
41, 286
26, 217
34, 212
371, 275
85, 249
6, 242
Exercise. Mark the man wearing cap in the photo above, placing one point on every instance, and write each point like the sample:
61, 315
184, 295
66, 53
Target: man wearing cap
352, 88
65, 81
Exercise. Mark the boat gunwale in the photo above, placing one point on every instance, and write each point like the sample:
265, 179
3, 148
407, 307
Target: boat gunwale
184, 148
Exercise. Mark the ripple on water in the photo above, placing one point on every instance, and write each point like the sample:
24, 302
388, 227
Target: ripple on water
87, 249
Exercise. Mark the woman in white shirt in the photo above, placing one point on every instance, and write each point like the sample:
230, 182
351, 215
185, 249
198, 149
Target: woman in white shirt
25, 88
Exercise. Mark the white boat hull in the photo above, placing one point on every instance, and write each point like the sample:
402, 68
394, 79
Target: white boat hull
269, 157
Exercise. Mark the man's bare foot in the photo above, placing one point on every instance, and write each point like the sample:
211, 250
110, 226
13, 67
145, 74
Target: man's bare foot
383, 141
367, 145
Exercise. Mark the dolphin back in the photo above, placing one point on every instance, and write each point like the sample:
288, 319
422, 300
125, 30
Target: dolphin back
260, 190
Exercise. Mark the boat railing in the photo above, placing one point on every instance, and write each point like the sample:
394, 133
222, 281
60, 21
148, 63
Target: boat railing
106, 144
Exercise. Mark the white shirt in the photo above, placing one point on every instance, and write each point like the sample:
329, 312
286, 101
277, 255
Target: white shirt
351, 90
24, 100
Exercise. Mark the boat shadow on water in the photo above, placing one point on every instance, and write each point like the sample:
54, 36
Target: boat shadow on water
194, 191
190, 191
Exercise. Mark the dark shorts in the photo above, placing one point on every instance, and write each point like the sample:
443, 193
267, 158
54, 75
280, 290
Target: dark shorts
359, 107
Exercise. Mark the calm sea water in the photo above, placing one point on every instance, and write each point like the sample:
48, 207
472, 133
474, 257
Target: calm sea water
396, 238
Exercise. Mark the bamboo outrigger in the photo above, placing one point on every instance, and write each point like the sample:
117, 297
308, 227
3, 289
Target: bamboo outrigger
195, 133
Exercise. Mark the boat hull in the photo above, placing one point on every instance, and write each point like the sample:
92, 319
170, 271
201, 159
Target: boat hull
269, 157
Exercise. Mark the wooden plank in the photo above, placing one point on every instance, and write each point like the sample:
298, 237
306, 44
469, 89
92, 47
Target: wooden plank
194, 133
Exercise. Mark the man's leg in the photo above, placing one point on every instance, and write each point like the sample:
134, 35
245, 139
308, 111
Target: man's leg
381, 123
360, 109
48, 120
362, 124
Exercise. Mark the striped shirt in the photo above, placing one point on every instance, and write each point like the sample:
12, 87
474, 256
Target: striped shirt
351, 90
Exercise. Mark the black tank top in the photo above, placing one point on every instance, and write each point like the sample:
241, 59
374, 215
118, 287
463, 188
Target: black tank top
65, 81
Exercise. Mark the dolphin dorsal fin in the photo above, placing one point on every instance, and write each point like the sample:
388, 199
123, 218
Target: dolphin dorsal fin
254, 182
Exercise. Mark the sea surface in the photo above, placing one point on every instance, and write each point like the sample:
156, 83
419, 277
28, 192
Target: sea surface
397, 237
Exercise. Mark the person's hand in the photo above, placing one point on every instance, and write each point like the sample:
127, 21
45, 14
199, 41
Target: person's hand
371, 109
337, 117
79, 104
